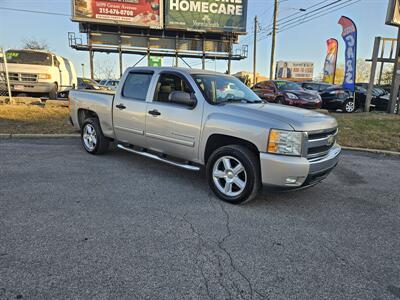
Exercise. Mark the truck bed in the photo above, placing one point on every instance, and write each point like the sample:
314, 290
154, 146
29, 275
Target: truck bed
97, 101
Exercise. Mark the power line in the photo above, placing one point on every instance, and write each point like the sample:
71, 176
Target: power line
35, 11
280, 23
295, 22
320, 14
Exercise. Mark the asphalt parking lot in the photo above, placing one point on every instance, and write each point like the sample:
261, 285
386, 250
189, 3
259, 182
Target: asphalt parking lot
120, 226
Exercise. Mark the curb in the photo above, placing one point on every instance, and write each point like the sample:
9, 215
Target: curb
376, 151
37, 136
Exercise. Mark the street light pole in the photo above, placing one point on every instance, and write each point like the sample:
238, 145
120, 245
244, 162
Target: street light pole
272, 63
255, 50
83, 70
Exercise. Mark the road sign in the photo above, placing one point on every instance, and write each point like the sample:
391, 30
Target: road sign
155, 61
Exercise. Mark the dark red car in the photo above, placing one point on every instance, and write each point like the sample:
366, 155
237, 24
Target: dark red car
287, 92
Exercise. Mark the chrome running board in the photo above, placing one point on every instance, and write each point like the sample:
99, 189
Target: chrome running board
156, 157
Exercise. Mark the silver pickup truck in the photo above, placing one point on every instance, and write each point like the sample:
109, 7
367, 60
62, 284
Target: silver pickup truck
192, 118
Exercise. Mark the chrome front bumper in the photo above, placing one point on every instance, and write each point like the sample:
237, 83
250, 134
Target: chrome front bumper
287, 171
31, 87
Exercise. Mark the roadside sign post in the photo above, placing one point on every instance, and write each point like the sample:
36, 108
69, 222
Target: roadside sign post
373, 70
394, 90
393, 19
7, 77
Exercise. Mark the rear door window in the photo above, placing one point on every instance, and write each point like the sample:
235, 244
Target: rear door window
137, 85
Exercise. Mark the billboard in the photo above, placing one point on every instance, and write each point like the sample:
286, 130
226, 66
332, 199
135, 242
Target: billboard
294, 70
206, 15
393, 13
349, 36
143, 13
330, 61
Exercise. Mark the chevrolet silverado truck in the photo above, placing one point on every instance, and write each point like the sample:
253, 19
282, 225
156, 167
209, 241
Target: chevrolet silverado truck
194, 118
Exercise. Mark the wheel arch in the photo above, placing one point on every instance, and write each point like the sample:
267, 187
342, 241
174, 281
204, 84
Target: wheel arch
84, 114
218, 140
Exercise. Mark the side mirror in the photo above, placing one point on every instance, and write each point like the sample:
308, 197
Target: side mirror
182, 98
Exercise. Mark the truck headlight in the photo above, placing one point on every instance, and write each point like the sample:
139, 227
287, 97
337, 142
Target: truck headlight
285, 142
44, 76
291, 96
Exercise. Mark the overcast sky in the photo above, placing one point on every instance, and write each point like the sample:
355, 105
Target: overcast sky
306, 42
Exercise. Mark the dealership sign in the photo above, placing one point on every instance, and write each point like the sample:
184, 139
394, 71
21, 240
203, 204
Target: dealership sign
330, 61
143, 13
349, 36
294, 70
206, 15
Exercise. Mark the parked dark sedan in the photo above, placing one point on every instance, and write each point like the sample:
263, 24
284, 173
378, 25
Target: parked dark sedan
335, 97
380, 97
287, 92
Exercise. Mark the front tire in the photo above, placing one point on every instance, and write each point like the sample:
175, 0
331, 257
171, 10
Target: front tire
349, 106
53, 93
280, 100
93, 140
233, 173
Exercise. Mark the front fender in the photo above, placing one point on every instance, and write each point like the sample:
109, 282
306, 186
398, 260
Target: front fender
253, 131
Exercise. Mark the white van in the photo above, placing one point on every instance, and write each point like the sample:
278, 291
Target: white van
40, 73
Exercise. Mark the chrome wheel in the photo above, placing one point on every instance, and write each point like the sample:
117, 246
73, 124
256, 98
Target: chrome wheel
349, 106
229, 176
89, 137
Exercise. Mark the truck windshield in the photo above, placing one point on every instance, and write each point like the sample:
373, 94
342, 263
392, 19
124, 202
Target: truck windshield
28, 57
219, 89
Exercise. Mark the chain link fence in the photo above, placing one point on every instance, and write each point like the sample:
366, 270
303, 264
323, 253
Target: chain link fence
5, 90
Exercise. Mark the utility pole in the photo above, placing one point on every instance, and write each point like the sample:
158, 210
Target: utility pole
255, 50
272, 63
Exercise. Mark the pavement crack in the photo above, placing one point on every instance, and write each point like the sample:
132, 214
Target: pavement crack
225, 250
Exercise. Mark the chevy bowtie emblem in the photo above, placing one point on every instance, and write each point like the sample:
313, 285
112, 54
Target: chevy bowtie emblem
330, 140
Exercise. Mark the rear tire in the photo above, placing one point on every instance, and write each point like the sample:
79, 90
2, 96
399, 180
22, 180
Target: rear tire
233, 173
93, 139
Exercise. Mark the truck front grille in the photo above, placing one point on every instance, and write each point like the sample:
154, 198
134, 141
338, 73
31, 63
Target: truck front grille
23, 77
320, 142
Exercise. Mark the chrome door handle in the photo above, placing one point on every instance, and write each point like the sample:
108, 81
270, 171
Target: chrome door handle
120, 106
154, 112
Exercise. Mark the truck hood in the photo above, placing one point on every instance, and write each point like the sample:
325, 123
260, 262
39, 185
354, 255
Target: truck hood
33, 69
299, 119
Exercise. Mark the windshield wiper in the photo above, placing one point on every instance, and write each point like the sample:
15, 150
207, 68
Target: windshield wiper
240, 100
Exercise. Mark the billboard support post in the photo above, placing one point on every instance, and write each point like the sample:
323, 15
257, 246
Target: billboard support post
91, 55
120, 62
230, 55
203, 58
